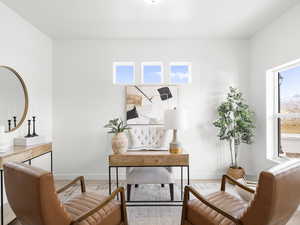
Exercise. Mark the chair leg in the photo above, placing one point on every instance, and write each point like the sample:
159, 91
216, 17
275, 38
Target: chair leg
136, 185
128, 192
162, 185
171, 191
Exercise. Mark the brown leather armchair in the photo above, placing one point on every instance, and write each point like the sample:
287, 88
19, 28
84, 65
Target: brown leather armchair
33, 198
276, 198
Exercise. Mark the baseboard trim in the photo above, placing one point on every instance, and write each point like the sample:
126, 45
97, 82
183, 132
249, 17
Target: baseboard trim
104, 176
88, 176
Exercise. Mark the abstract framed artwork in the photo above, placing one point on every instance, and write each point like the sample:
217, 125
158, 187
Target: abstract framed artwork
145, 104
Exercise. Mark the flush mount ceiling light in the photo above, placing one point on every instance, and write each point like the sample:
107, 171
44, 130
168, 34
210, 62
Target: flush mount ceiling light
152, 2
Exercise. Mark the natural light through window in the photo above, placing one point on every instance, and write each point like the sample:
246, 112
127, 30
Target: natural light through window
180, 73
283, 120
289, 83
152, 73
124, 73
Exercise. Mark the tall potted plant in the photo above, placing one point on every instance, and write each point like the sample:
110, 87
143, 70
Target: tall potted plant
236, 126
119, 139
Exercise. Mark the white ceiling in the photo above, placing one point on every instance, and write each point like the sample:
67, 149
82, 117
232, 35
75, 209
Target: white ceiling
93, 19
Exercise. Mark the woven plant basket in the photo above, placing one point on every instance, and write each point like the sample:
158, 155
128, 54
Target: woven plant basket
236, 173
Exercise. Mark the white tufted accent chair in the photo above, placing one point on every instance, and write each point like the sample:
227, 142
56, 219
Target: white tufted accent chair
149, 138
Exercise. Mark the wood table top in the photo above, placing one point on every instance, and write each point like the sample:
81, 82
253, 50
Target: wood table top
23, 153
149, 158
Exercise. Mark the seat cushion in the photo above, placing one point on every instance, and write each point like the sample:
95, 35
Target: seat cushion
149, 175
200, 214
82, 203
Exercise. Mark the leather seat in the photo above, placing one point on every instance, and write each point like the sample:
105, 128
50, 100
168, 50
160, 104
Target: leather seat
275, 200
33, 198
199, 213
80, 204
161, 175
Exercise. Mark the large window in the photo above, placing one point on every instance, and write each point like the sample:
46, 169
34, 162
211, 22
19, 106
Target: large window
152, 73
289, 111
283, 111
180, 73
124, 73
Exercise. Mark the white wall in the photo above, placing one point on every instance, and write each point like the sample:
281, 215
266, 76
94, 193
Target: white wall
29, 52
85, 98
275, 45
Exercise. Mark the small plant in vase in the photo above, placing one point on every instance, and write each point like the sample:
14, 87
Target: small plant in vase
236, 125
119, 139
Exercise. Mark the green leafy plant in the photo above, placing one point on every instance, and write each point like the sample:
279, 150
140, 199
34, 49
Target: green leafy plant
116, 126
235, 123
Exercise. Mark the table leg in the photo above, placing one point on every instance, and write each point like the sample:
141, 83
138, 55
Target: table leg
2, 204
117, 177
188, 175
109, 180
51, 157
181, 182
188, 179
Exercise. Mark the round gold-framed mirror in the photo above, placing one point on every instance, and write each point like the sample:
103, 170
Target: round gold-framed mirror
13, 99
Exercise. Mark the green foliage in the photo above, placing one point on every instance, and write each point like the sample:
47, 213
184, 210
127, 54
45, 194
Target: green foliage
116, 126
236, 120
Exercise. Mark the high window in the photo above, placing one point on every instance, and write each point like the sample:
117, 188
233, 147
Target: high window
124, 73
180, 73
152, 73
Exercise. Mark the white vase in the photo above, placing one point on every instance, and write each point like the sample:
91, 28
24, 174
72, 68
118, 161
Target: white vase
119, 143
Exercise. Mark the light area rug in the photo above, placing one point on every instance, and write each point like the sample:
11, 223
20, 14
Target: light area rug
154, 215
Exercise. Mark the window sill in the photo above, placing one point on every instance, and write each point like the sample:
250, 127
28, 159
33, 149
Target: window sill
279, 159
290, 136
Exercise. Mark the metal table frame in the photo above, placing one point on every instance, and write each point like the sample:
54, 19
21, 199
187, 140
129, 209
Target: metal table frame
2, 182
151, 203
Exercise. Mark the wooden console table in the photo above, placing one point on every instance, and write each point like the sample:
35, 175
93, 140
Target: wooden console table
149, 159
21, 154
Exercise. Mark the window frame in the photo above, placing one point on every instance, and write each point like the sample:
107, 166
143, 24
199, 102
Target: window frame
189, 64
123, 63
273, 115
153, 63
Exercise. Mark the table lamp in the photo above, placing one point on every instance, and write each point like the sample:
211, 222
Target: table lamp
174, 120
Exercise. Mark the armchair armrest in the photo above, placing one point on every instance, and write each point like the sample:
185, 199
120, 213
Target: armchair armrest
188, 190
102, 205
225, 177
67, 186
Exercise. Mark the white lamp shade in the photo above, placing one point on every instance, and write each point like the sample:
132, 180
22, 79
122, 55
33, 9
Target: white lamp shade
175, 119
